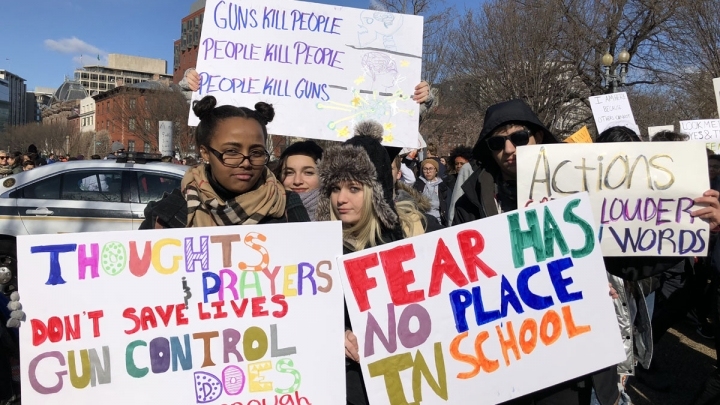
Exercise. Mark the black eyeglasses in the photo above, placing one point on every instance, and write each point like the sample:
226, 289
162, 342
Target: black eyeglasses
257, 157
519, 138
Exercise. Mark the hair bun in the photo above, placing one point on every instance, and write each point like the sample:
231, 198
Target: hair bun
204, 107
264, 112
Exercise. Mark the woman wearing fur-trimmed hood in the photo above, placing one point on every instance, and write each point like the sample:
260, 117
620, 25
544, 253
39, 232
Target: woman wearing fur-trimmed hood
356, 187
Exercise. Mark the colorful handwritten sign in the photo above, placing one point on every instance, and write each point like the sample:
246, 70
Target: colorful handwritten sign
642, 193
324, 68
611, 110
706, 132
476, 313
221, 315
581, 136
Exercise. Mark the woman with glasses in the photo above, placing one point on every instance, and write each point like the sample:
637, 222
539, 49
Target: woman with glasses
233, 186
432, 186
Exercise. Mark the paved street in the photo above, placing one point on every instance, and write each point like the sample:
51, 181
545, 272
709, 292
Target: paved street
687, 358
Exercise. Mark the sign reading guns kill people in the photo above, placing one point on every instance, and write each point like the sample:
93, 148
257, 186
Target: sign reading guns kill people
323, 67
483, 312
642, 192
220, 315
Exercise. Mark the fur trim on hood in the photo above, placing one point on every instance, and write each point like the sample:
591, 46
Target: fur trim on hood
408, 193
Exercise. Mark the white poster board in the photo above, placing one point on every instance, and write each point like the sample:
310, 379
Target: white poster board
642, 193
165, 138
660, 128
610, 110
706, 132
108, 324
431, 313
323, 68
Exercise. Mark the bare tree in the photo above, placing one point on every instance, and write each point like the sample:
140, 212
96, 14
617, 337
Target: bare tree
49, 138
548, 52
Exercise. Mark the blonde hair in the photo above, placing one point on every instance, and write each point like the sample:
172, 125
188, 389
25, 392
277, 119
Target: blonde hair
367, 232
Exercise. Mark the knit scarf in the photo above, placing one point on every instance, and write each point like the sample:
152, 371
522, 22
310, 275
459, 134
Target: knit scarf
310, 200
207, 208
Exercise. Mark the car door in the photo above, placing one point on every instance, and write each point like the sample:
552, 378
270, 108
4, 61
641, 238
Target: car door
88, 200
150, 186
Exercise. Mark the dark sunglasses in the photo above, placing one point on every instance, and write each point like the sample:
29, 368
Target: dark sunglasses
519, 138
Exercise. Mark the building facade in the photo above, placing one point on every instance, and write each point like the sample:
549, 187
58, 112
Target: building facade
17, 95
87, 114
121, 70
186, 48
4, 104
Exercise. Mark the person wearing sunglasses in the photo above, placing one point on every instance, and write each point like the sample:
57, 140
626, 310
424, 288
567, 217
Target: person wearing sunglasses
5, 168
491, 189
233, 186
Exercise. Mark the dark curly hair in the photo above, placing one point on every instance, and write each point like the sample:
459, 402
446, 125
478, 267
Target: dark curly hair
210, 115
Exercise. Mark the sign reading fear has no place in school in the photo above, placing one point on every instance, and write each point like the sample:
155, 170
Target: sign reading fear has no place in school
483, 312
642, 193
324, 68
221, 315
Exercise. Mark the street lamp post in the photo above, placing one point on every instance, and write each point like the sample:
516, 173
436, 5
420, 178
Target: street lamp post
611, 76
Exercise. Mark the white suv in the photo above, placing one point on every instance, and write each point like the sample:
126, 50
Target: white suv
79, 196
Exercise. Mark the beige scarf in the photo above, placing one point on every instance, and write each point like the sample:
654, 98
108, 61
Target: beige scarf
206, 208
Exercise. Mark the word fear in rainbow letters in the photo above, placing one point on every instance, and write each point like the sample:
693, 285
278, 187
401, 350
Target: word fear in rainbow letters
544, 323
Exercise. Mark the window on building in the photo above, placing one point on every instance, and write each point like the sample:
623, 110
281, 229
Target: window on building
111, 79
83, 122
103, 86
107, 124
84, 76
128, 80
85, 84
103, 78
131, 124
93, 85
136, 81
147, 125
93, 77
111, 86
147, 147
132, 103
131, 146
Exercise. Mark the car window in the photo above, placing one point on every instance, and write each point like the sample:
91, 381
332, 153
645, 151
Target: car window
151, 187
92, 186
47, 189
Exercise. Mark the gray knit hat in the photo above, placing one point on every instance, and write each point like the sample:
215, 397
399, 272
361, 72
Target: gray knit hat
363, 159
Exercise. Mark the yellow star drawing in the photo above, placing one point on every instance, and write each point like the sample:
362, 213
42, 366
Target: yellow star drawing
404, 63
356, 101
389, 138
359, 80
343, 132
388, 126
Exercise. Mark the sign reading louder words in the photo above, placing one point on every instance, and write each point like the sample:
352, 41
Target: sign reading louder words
323, 67
221, 315
642, 193
470, 314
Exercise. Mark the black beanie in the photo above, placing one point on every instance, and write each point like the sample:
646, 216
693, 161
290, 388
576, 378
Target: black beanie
305, 148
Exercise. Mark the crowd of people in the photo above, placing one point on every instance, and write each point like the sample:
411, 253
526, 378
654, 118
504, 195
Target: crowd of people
384, 194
